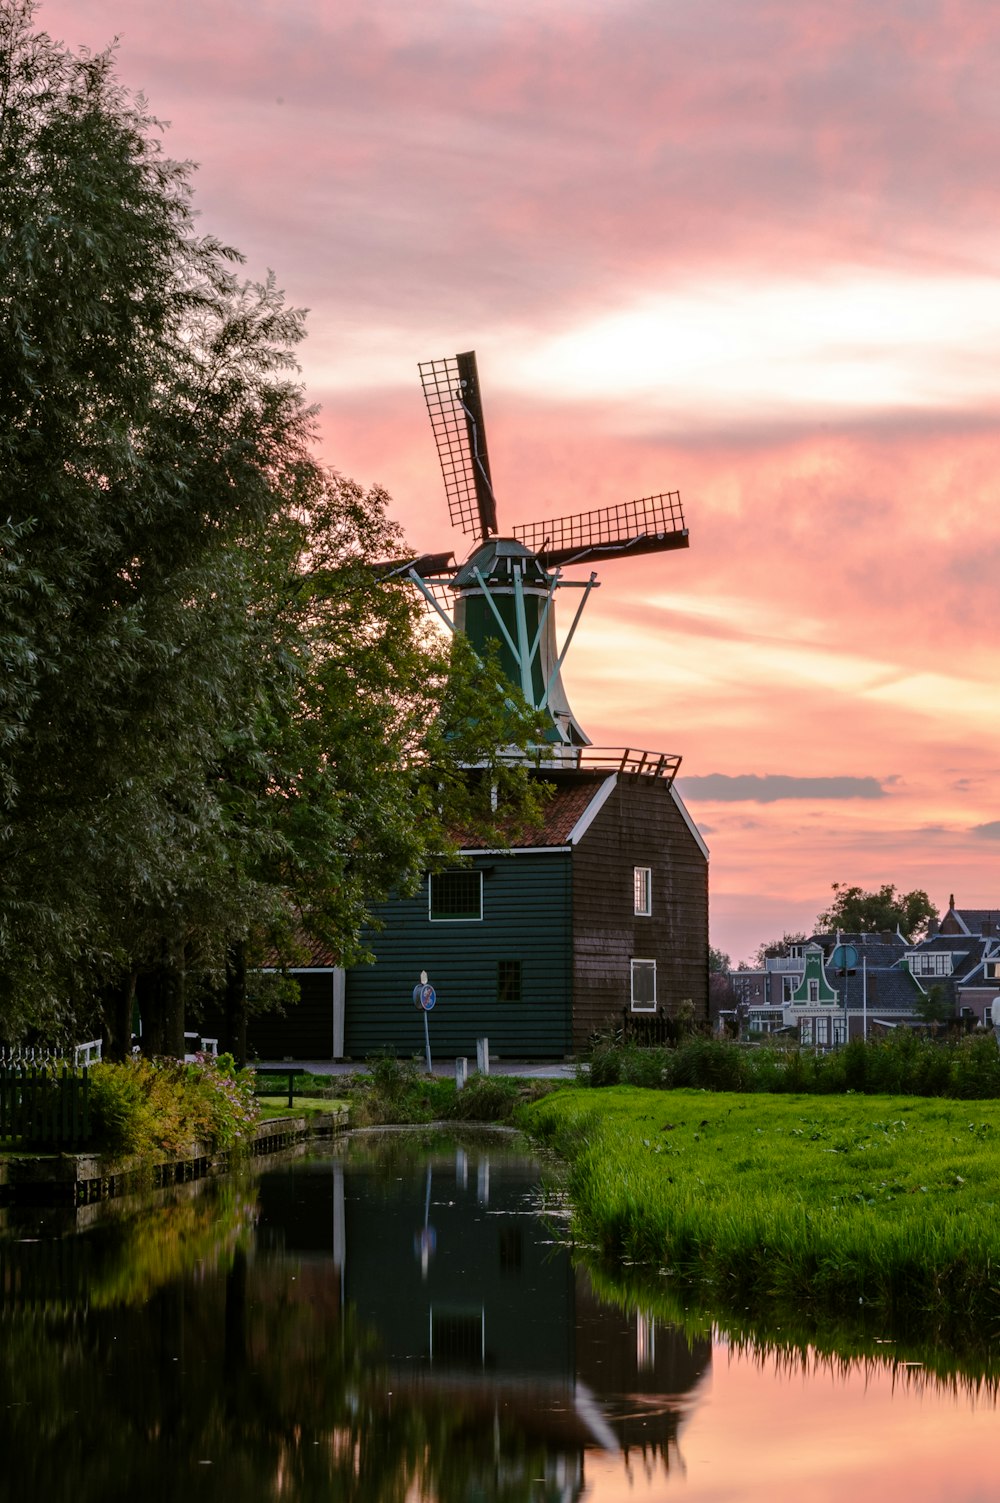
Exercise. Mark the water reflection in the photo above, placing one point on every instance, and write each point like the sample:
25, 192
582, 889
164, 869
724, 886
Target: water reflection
392, 1321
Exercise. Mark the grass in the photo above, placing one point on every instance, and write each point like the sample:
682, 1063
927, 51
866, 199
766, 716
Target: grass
772, 1204
306, 1106
903, 1063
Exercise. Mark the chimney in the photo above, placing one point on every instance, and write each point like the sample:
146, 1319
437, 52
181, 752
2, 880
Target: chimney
933, 927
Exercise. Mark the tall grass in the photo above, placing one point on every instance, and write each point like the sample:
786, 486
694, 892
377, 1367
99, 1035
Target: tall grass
902, 1063
787, 1203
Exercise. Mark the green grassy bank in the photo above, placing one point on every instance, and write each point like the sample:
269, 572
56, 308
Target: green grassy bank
889, 1205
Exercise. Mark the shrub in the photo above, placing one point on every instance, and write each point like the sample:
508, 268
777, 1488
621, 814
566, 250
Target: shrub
486, 1098
150, 1106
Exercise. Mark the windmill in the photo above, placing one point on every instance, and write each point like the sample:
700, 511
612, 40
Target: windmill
504, 592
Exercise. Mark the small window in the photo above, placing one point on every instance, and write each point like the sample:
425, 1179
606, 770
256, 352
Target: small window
788, 988
642, 889
813, 991
456, 895
644, 986
840, 1030
822, 1032
935, 963
508, 981
806, 1031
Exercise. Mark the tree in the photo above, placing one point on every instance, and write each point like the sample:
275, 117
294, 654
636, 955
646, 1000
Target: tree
935, 1006
718, 961
215, 726
856, 911
777, 947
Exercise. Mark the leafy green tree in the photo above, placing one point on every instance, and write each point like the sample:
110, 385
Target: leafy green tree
857, 911
777, 947
935, 1007
215, 726
718, 961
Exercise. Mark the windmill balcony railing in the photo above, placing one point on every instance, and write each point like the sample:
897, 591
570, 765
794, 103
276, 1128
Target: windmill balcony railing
626, 760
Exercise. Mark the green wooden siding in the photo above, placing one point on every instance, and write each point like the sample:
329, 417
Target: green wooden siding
304, 1030
526, 917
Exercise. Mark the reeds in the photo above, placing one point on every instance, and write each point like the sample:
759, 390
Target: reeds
890, 1204
902, 1063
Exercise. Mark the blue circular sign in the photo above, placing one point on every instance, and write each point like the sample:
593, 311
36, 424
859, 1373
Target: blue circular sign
844, 958
424, 997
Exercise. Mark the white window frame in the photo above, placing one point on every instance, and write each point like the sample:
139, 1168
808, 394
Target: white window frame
821, 1032
805, 1030
813, 989
789, 986
932, 963
645, 968
642, 891
458, 918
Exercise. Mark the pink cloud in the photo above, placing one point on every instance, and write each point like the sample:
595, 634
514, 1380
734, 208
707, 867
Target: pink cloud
484, 174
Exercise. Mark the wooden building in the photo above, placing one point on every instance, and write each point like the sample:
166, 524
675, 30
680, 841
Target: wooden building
602, 913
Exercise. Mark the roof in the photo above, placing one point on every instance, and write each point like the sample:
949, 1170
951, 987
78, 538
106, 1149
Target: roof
306, 953
572, 795
971, 921
878, 951
888, 991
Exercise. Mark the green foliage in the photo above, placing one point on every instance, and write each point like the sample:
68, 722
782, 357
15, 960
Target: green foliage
718, 961
217, 727
780, 946
935, 1006
490, 1098
148, 1108
903, 1063
396, 1091
790, 1203
857, 911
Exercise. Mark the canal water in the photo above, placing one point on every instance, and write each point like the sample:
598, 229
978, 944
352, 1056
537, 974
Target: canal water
398, 1318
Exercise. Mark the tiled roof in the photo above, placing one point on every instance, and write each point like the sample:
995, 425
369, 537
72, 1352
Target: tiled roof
878, 950
977, 920
889, 991
307, 952
571, 797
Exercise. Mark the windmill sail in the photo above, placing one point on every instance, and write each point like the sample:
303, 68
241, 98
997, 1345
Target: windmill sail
451, 391
648, 525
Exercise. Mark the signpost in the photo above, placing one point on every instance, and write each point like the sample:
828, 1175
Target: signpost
844, 961
424, 997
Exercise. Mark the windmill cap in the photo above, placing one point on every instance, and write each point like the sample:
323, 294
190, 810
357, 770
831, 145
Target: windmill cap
494, 559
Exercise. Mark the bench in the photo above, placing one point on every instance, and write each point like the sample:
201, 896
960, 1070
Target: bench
281, 1072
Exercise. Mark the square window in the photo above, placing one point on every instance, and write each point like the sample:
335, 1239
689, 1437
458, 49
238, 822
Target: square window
643, 985
642, 889
508, 981
456, 895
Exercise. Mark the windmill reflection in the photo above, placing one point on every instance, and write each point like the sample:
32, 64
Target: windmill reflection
489, 1319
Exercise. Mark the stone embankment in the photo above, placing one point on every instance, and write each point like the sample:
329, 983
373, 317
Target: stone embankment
78, 1178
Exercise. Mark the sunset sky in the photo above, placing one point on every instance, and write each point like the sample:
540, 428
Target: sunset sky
749, 252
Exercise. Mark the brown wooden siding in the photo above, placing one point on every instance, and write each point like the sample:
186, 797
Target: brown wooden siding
640, 825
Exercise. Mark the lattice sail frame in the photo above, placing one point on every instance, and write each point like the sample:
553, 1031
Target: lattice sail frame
451, 391
611, 527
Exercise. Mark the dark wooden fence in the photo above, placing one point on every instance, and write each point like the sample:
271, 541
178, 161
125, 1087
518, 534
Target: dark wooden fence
44, 1107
